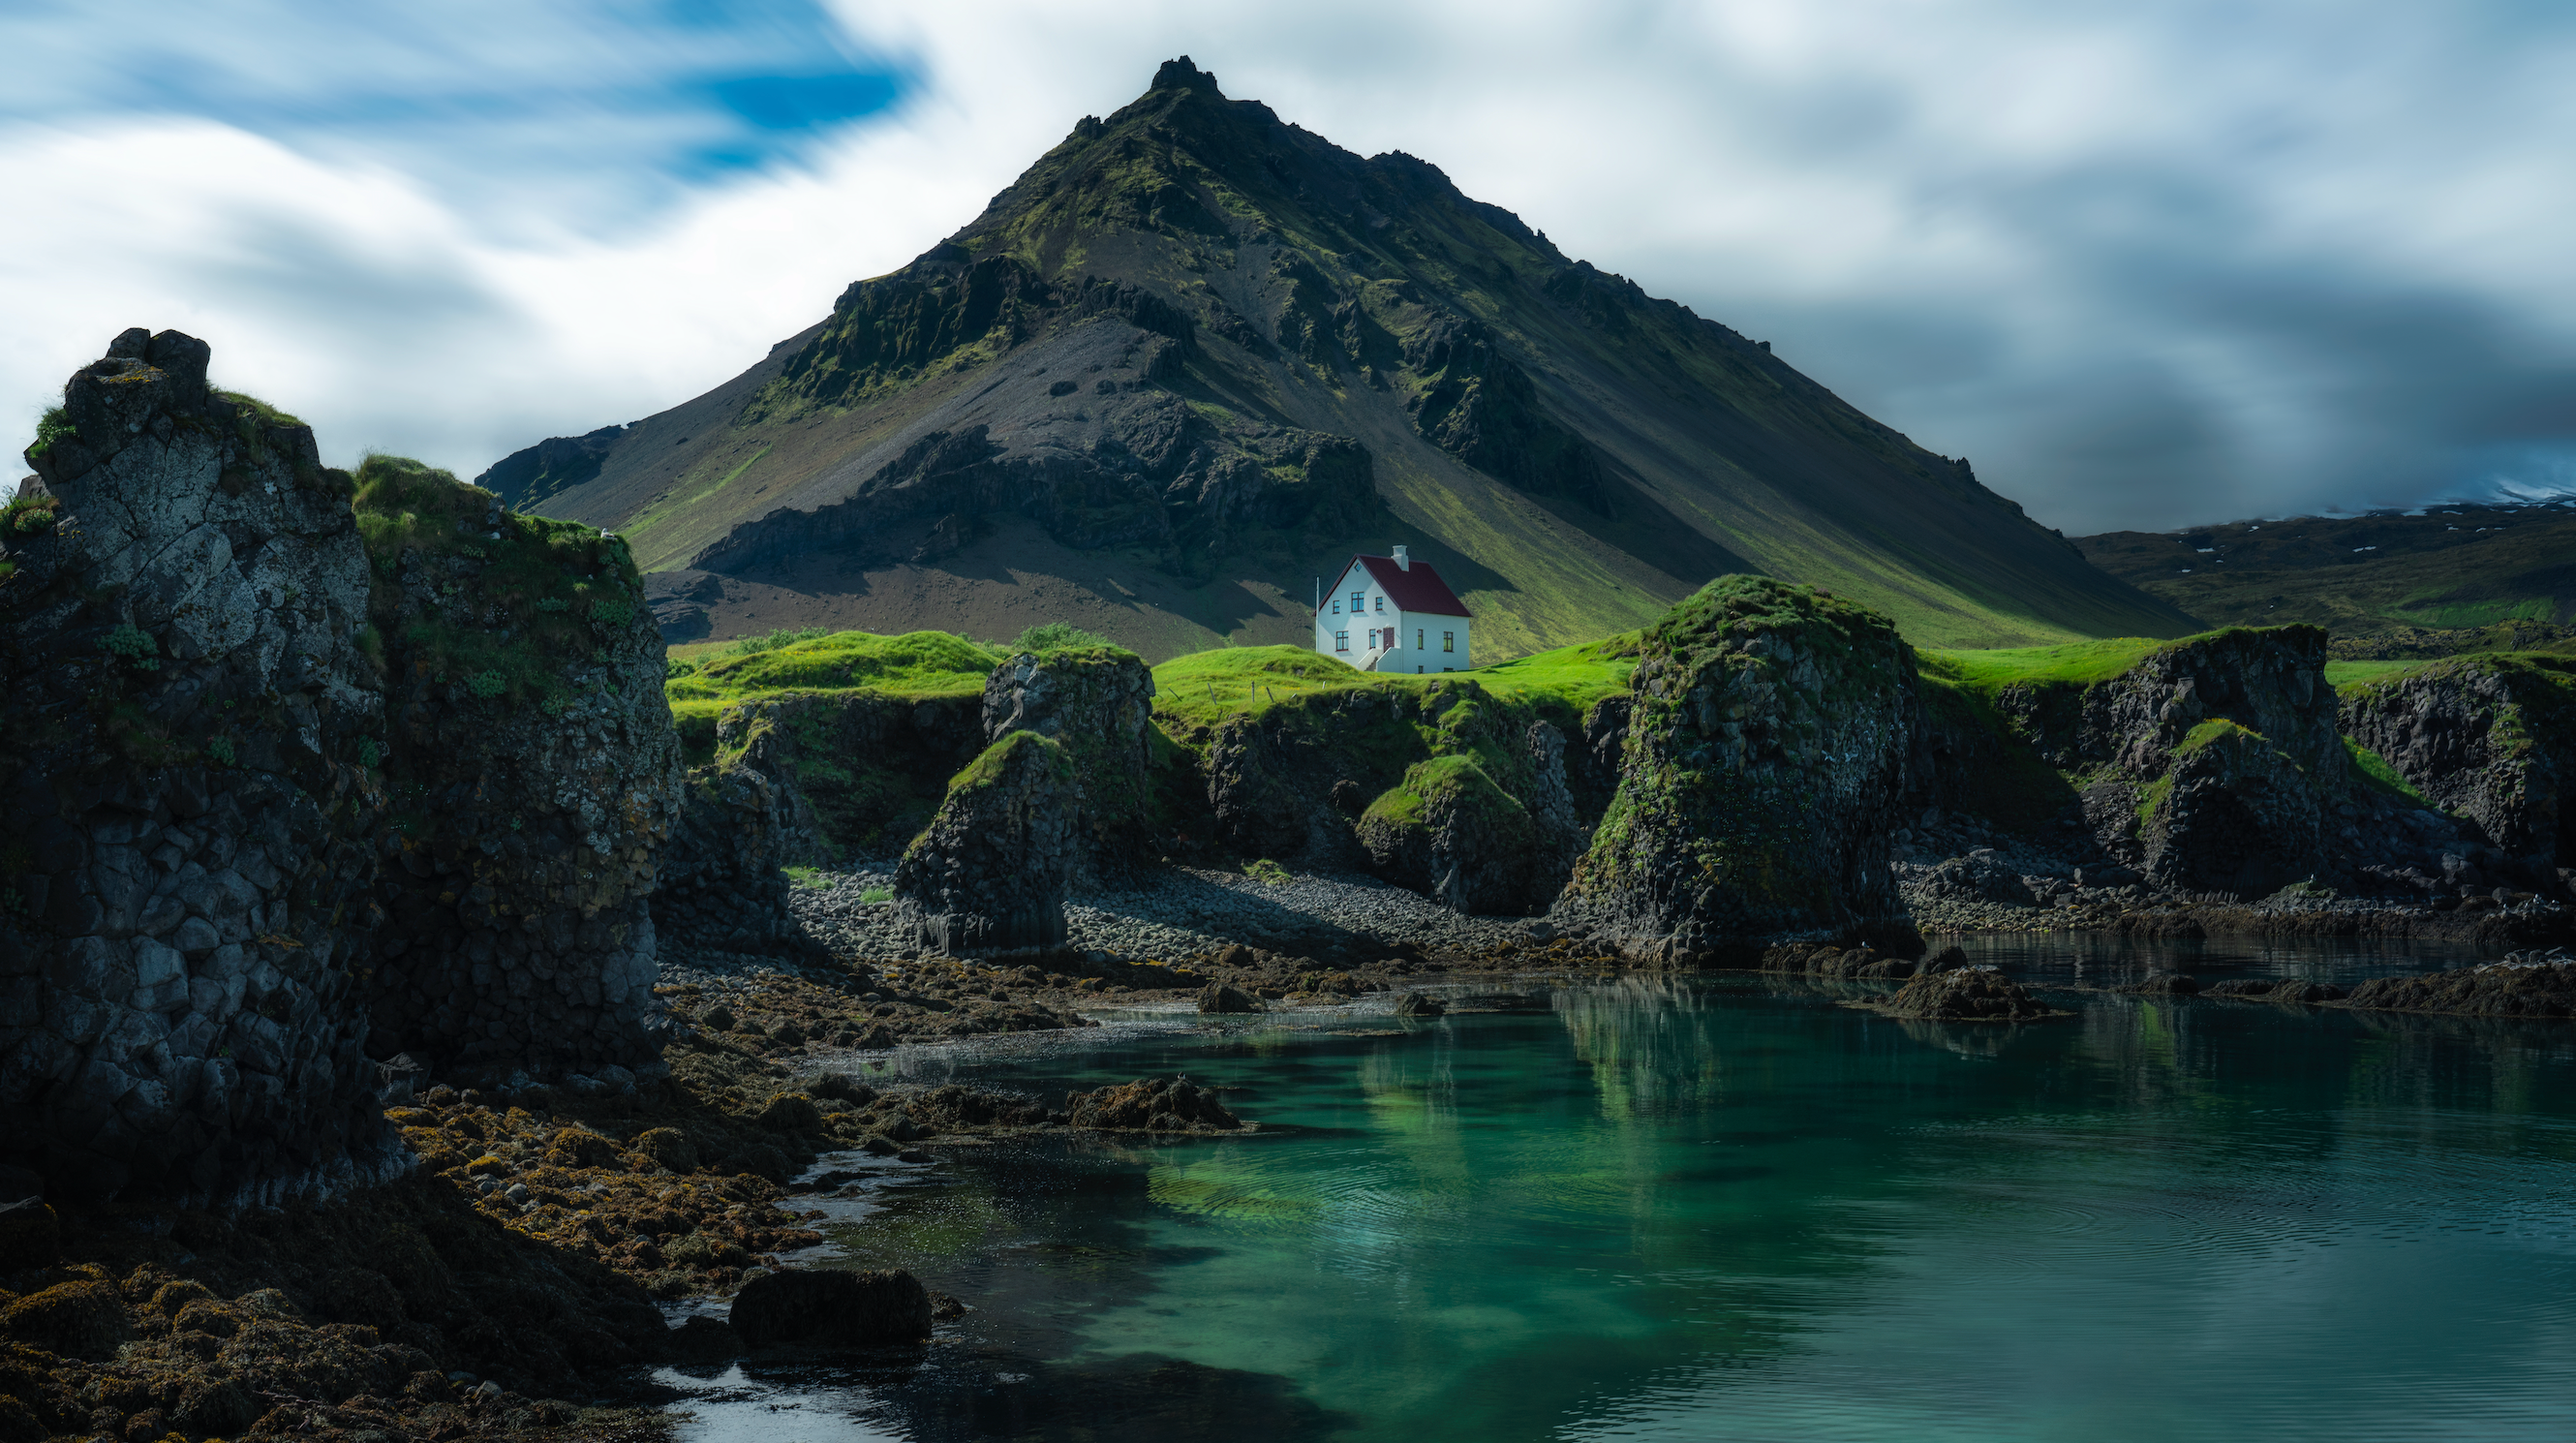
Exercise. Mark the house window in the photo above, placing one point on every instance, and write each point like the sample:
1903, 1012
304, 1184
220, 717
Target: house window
1417, 638
1356, 606
1381, 603
1341, 641
1337, 606
1448, 641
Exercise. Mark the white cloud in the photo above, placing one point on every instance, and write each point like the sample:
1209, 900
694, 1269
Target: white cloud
2147, 265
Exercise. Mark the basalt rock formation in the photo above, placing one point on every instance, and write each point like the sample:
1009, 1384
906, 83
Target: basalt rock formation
300, 767
1448, 831
2491, 739
531, 803
1447, 790
988, 876
1098, 703
1773, 730
188, 729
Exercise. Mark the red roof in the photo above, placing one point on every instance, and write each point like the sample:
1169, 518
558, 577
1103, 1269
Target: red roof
1417, 589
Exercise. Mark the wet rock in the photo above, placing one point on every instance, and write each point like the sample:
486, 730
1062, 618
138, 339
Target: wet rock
2523, 985
702, 1339
1169, 1104
1418, 1004
666, 1146
79, 1320
1968, 994
792, 1112
1218, 997
1773, 731
812, 1306
988, 876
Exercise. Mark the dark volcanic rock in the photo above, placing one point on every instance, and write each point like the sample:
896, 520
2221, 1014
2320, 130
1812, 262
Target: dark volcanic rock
1150, 1104
2167, 984
187, 816
1773, 730
989, 874
1418, 1004
1098, 702
1967, 994
520, 926
2488, 738
799, 1305
2523, 985
525, 477
1218, 997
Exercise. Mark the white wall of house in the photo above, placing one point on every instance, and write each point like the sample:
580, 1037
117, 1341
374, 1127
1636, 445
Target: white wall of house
1424, 644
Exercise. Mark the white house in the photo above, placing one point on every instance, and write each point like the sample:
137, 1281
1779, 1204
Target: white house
1392, 614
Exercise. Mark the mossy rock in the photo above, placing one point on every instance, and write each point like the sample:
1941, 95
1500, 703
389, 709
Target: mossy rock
1449, 831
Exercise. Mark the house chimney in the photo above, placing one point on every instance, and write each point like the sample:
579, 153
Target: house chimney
1402, 562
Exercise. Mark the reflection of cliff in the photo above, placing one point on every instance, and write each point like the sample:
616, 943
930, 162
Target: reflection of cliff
1642, 1039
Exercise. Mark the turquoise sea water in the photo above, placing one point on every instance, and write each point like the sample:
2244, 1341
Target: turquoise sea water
1732, 1208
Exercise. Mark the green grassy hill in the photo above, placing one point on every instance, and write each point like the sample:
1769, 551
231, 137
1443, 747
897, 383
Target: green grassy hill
2452, 569
1196, 356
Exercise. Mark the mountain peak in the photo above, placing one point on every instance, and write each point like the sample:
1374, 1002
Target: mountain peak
1180, 74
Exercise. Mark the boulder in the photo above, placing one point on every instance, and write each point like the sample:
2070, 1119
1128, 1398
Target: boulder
1098, 703
2233, 813
2167, 984
1772, 731
78, 1320
1447, 831
1418, 1004
831, 1307
2520, 986
1967, 994
1218, 997
988, 876
666, 1147
1166, 1104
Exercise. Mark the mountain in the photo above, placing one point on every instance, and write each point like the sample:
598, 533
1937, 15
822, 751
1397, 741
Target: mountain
1195, 356
2451, 567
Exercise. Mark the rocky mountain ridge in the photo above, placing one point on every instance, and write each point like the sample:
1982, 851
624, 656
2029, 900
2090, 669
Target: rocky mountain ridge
1194, 351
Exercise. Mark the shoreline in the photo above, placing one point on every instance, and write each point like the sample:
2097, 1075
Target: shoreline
612, 1198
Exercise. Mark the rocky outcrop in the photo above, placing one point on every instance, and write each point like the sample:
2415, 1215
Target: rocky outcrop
2490, 739
528, 476
188, 732
1447, 831
830, 1306
535, 776
1967, 994
2235, 813
1378, 777
1150, 1104
722, 887
1773, 730
1098, 703
858, 773
988, 876
2529, 984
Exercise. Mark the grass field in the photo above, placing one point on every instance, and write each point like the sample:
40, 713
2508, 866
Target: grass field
1205, 687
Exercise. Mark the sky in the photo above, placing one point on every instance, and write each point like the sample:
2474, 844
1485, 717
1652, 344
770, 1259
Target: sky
2145, 264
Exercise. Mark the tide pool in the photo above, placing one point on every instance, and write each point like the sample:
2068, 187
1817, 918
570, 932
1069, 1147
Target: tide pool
1730, 1207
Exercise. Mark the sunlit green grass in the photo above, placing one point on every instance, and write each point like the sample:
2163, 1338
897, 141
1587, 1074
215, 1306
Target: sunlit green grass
2081, 662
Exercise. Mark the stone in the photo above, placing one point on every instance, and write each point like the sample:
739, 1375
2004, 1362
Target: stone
2167, 984
667, 1147
702, 1339
1169, 1104
1774, 731
1218, 997
791, 1112
1967, 994
988, 876
78, 1319
1418, 1004
847, 1309
2491, 739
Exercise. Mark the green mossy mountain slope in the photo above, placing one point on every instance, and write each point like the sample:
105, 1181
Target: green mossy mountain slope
1205, 354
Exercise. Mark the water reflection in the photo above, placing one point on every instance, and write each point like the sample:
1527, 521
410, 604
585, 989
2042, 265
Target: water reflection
1732, 1207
